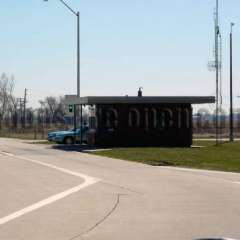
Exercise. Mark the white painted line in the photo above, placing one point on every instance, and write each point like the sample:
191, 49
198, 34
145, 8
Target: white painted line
88, 181
64, 170
45, 202
236, 182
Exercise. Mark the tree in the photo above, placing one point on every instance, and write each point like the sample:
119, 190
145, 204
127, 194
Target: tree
6, 95
53, 109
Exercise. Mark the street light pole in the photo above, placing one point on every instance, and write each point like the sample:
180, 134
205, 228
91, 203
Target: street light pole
77, 14
78, 77
78, 54
231, 87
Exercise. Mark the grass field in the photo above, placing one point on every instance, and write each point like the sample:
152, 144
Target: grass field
225, 157
22, 135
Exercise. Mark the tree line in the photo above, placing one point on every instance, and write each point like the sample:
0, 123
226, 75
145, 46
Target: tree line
14, 113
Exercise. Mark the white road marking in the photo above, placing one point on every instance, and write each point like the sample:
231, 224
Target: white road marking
76, 174
44, 202
236, 182
88, 181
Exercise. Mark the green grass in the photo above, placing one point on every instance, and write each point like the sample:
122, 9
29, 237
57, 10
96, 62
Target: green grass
225, 157
43, 142
23, 135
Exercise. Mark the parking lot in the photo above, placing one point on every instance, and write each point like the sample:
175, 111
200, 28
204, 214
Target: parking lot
51, 194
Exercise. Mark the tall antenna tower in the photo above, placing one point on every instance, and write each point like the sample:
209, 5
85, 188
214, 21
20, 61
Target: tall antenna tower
217, 35
220, 87
216, 66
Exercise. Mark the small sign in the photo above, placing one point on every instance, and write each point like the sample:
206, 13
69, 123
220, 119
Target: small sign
70, 108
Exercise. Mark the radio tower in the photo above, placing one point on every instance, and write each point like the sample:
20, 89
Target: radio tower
220, 87
217, 35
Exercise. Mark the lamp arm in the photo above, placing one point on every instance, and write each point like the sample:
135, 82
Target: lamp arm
66, 5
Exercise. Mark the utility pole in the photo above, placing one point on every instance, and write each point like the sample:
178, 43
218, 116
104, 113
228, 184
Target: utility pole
231, 137
42, 117
24, 108
19, 112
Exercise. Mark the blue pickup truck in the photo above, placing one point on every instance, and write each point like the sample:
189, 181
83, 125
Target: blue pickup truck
68, 137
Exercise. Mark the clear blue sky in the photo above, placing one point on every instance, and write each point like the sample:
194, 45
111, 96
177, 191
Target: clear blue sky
163, 46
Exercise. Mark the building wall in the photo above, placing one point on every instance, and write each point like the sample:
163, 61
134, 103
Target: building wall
131, 125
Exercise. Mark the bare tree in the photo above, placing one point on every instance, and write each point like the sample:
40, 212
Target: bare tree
6, 94
53, 108
13, 110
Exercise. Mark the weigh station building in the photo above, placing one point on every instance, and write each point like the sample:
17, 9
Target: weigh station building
139, 121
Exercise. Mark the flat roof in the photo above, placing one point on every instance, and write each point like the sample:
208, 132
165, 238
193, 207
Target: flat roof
93, 100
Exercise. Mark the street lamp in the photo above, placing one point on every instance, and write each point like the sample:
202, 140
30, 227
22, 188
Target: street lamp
77, 14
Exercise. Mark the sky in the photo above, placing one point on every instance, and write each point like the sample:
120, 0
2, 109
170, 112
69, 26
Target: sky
162, 46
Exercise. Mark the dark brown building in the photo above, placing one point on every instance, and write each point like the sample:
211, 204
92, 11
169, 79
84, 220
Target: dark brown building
141, 121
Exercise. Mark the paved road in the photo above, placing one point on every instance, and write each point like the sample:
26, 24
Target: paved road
49, 194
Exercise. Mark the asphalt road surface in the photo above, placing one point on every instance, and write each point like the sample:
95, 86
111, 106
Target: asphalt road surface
48, 194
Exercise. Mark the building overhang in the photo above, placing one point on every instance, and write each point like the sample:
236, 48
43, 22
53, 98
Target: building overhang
96, 100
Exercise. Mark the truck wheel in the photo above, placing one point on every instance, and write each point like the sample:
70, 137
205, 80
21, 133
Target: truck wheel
68, 140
